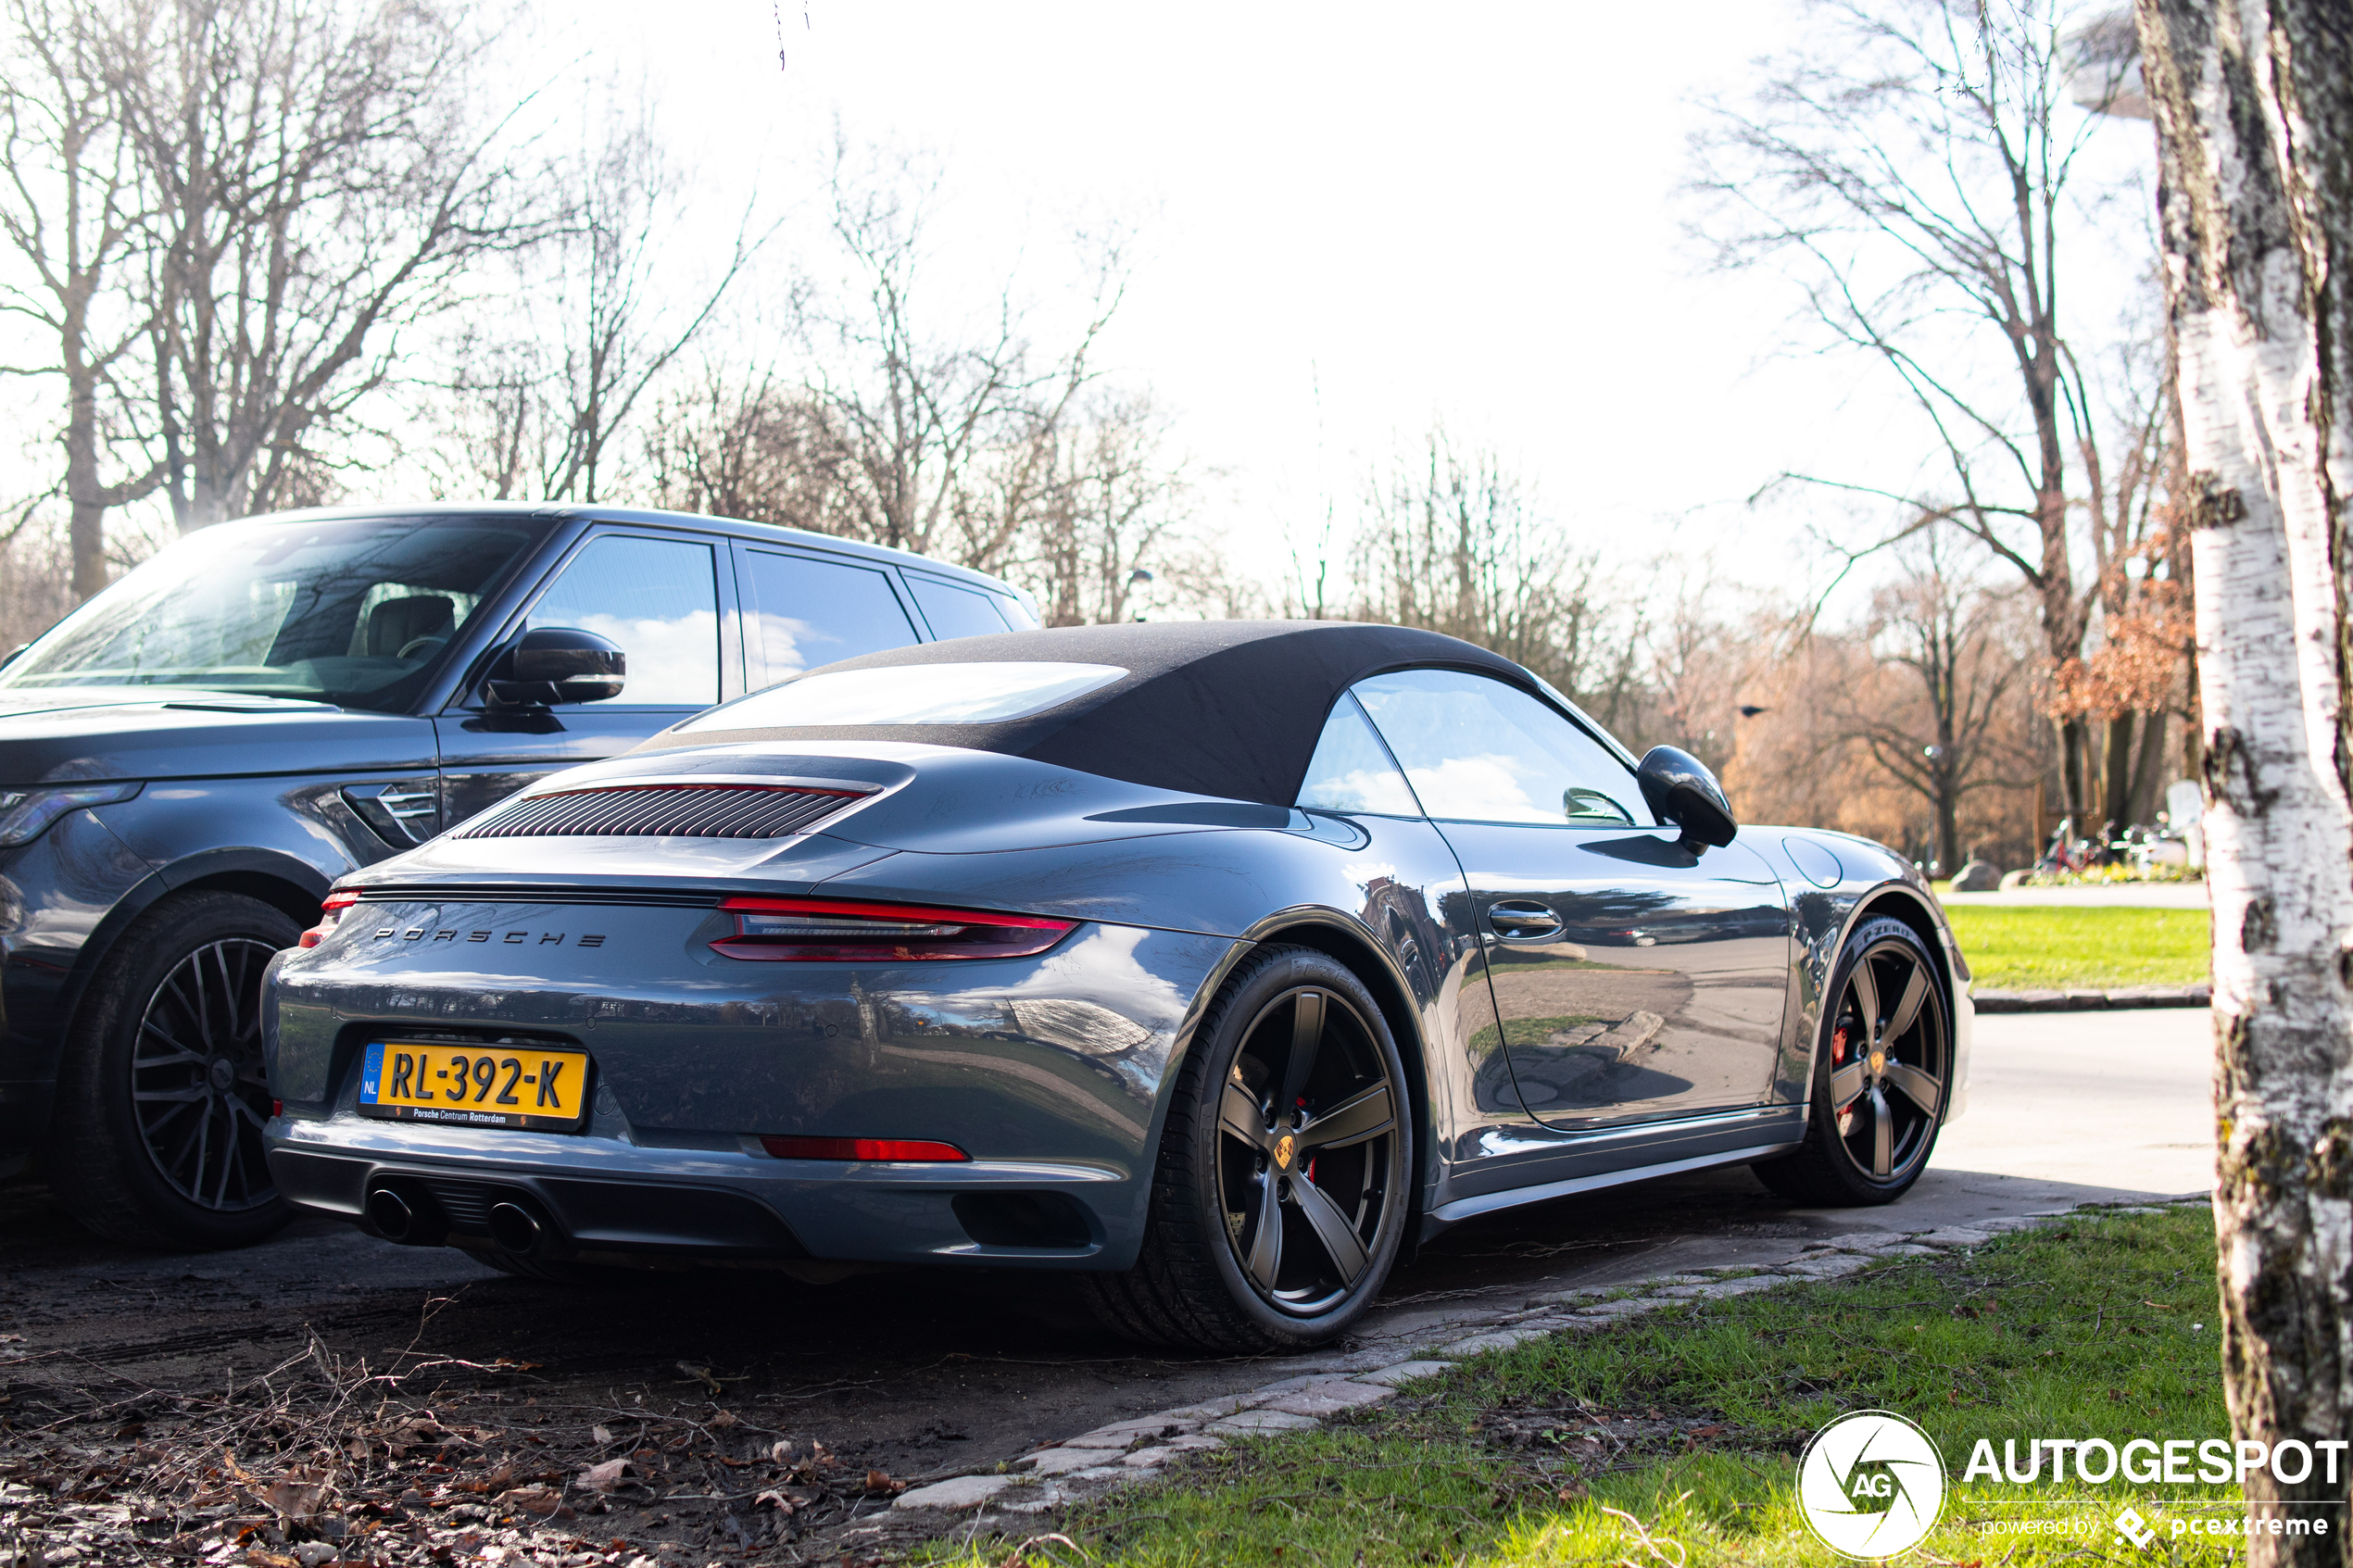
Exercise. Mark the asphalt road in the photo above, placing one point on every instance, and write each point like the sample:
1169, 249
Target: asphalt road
922, 1374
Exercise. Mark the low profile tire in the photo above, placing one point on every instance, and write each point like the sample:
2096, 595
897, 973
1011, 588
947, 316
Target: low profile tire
1282, 1187
157, 1137
1880, 1077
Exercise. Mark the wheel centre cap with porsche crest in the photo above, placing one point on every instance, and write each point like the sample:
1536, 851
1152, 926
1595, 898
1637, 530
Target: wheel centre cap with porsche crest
1284, 1148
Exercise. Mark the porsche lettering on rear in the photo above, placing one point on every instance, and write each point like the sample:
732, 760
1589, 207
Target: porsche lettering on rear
509, 938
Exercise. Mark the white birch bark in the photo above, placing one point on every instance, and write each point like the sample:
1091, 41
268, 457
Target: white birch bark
2250, 230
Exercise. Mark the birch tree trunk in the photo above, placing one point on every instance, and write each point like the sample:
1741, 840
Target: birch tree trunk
2253, 101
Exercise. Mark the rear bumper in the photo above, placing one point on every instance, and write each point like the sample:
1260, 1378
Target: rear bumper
1046, 1071
613, 1201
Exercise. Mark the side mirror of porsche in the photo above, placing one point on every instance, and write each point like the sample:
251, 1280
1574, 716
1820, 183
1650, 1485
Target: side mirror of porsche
555, 664
1681, 790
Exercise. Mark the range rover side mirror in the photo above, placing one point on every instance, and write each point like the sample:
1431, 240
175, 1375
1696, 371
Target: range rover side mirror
555, 664
1681, 790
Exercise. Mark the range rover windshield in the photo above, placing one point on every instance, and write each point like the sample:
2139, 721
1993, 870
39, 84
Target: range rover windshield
356, 611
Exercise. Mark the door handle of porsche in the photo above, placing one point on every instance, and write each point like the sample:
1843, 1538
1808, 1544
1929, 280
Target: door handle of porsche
1518, 921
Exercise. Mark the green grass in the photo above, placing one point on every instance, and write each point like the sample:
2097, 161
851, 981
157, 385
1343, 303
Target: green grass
1684, 1427
2031, 947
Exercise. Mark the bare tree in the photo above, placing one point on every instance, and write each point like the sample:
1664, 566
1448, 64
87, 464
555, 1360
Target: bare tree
2254, 108
1695, 660
920, 415
1907, 166
1115, 508
75, 209
750, 444
321, 181
544, 410
1456, 542
1939, 733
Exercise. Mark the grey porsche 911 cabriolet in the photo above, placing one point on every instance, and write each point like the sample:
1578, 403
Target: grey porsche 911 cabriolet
1217, 961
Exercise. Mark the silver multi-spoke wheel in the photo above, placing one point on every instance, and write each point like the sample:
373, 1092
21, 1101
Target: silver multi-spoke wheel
1882, 1078
1308, 1136
1887, 1058
197, 1084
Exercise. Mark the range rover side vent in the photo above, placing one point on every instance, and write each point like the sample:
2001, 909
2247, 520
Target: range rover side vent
667, 811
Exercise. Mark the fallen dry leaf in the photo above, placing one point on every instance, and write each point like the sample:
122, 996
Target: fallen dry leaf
606, 1476
600, 1435
498, 1480
723, 1418
545, 1501
780, 1453
299, 1494
776, 1500
881, 1486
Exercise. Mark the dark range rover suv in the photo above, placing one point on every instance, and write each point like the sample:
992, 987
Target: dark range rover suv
189, 760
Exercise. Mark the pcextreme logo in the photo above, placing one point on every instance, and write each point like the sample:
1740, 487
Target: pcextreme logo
1871, 1485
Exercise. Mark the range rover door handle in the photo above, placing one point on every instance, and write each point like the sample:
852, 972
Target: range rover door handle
1518, 919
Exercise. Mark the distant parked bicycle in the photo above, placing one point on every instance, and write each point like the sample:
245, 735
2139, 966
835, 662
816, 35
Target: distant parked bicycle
2068, 851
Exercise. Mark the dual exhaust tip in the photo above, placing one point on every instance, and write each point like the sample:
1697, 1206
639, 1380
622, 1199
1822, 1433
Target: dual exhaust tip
404, 1211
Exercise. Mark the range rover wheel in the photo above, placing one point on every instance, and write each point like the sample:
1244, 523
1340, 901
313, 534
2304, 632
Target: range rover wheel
157, 1137
1283, 1182
1880, 1077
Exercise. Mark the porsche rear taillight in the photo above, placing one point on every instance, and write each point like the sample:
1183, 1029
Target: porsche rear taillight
329, 913
842, 931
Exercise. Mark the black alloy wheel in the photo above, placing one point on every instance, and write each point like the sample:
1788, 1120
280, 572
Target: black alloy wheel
157, 1137
197, 1083
1284, 1180
1309, 1134
1881, 1076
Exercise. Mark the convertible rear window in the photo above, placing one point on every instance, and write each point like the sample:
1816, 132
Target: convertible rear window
910, 693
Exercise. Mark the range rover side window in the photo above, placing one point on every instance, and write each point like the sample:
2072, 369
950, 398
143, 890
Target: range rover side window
954, 611
800, 611
657, 599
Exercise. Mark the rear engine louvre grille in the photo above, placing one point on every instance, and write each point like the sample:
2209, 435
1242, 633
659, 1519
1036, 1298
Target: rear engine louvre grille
725, 810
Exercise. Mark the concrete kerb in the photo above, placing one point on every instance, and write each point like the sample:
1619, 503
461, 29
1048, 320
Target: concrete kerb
1141, 1447
2086, 1001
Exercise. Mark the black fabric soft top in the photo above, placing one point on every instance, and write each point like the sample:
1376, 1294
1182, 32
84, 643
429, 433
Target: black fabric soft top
1223, 708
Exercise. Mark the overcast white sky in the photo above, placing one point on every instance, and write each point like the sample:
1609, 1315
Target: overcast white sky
1354, 219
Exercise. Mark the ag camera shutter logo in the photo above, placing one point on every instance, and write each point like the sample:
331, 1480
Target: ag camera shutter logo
1870, 1483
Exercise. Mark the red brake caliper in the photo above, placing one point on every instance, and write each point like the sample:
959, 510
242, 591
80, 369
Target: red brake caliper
1838, 1059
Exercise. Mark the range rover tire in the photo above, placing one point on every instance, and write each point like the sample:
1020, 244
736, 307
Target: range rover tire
1283, 1182
155, 1140
1881, 1075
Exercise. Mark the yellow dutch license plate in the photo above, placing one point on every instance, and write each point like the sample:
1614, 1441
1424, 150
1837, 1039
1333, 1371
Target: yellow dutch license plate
490, 1086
